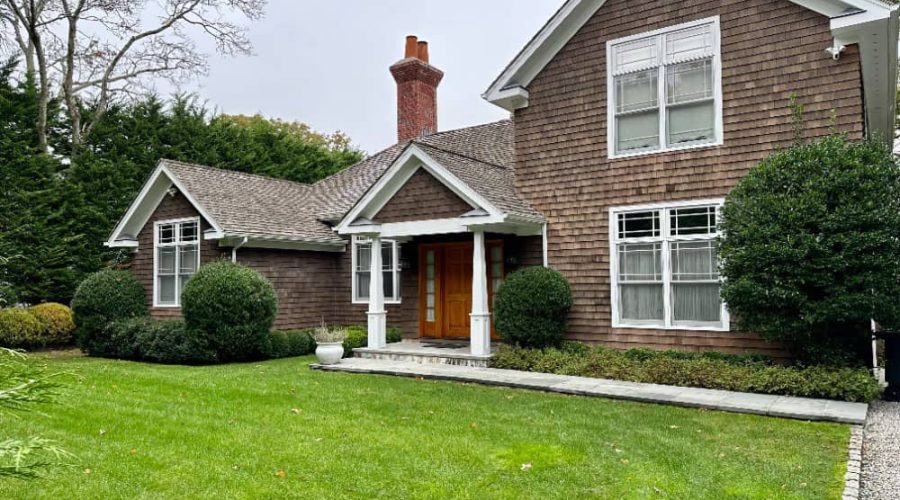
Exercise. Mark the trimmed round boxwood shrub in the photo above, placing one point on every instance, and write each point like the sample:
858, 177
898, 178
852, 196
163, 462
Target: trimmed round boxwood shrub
19, 328
57, 320
233, 307
532, 306
105, 296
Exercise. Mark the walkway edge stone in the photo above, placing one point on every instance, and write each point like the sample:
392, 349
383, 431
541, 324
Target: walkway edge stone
738, 402
854, 463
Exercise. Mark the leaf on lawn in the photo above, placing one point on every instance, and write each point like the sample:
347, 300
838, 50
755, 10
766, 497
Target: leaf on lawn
318, 439
624, 461
235, 467
618, 450
87, 471
526, 466
509, 397
133, 451
673, 427
296, 411
102, 431
721, 455
281, 473
473, 425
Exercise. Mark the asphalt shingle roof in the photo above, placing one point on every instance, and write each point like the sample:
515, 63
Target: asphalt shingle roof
253, 205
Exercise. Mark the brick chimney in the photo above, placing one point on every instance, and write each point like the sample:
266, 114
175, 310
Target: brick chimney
417, 83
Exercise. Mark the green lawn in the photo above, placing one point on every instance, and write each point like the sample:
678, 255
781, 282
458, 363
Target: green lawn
279, 429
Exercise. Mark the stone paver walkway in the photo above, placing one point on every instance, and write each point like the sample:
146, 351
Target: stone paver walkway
760, 404
881, 453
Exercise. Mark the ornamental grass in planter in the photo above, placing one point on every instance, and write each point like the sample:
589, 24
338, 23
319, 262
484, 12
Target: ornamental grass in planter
329, 344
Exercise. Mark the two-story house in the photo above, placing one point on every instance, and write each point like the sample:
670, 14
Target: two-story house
630, 122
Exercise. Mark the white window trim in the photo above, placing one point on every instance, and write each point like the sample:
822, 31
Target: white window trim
397, 298
665, 238
156, 225
661, 89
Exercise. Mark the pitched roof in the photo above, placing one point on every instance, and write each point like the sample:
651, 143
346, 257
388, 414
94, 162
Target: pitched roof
256, 206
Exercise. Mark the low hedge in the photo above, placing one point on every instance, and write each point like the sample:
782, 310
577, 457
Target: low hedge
19, 328
289, 344
58, 322
145, 339
358, 336
707, 370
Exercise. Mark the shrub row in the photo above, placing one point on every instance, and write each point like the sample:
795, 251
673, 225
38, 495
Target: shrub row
158, 341
290, 343
710, 371
43, 325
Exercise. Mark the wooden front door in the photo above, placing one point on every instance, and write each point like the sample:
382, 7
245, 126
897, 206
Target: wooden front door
445, 287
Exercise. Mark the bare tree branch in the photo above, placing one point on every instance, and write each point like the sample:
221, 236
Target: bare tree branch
107, 50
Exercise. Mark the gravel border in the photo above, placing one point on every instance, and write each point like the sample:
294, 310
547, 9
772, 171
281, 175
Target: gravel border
854, 463
881, 453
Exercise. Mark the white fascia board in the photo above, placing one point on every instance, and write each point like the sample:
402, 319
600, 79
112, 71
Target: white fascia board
154, 188
143, 206
281, 244
539, 51
396, 176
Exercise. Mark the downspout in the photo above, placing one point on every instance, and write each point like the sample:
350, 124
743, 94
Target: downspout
236, 247
544, 243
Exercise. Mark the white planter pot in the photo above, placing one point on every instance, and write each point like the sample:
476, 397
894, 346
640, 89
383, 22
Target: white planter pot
330, 353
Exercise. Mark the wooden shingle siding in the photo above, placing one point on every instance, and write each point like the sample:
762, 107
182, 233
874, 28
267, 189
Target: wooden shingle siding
770, 49
303, 280
422, 198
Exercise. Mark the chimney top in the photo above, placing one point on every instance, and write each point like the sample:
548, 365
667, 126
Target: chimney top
417, 83
412, 49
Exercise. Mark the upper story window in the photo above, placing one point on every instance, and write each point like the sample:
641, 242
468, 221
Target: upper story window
390, 268
665, 90
664, 267
176, 259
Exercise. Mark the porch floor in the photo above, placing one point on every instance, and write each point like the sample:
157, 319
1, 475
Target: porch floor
739, 402
447, 352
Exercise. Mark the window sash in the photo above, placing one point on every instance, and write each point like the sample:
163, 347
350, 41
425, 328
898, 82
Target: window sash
683, 272
668, 60
179, 242
390, 265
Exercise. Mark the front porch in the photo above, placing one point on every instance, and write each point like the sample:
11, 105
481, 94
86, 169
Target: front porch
444, 224
427, 351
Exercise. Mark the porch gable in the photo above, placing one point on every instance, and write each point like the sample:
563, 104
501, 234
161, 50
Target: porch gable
423, 197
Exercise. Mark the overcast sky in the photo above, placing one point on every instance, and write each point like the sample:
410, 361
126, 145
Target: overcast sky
325, 62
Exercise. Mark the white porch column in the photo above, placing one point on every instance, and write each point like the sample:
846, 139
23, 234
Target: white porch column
480, 316
377, 314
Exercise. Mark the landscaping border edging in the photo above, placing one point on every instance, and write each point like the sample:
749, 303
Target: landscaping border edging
711, 399
854, 463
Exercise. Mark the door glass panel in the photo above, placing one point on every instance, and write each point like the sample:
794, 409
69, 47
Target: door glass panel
429, 287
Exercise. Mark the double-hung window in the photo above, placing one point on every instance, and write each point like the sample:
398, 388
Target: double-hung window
390, 268
176, 259
664, 267
665, 90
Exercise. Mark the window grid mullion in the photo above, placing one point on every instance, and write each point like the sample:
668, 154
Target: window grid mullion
662, 83
666, 264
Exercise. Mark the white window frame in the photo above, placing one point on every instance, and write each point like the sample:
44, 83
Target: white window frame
395, 254
666, 239
662, 87
176, 244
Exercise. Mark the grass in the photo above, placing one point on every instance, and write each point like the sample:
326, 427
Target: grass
278, 429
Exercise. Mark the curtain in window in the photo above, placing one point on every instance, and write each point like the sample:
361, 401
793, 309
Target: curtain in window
637, 105
691, 102
695, 286
363, 264
640, 278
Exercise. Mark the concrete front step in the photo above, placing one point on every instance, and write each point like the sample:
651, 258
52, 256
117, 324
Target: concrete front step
413, 352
